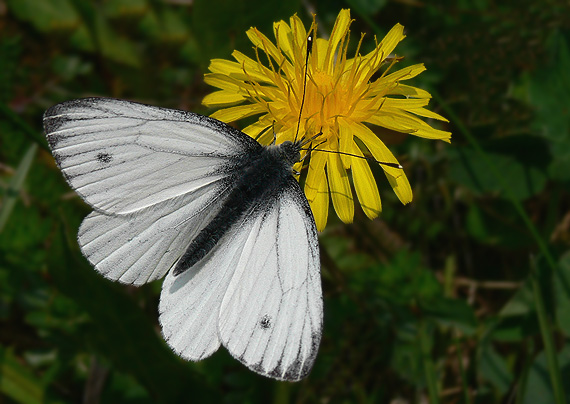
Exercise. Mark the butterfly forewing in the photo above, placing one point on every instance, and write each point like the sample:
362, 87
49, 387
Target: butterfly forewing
122, 157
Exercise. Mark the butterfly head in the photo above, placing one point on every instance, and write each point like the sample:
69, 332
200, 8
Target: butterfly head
290, 152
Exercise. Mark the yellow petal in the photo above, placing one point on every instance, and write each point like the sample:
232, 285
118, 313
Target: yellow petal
262, 42
386, 46
339, 31
319, 52
238, 70
392, 38
266, 137
409, 91
222, 81
401, 187
340, 188
315, 174
223, 66
378, 149
256, 128
426, 113
346, 142
365, 185
287, 134
402, 74
320, 203
299, 36
222, 98
402, 121
284, 39
251, 70
404, 103
239, 112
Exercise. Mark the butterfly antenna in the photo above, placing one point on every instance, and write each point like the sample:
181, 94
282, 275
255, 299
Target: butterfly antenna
309, 48
384, 163
274, 134
309, 140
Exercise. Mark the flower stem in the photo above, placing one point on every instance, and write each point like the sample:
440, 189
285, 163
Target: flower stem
429, 368
12, 192
464, 385
547, 338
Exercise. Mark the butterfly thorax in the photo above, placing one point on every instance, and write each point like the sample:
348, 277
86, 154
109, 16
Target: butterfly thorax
286, 152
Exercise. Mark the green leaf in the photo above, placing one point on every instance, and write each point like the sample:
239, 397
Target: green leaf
521, 303
562, 291
98, 36
453, 312
218, 34
12, 192
538, 388
45, 15
547, 89
466, 168
121, 331
17, 381
494, 369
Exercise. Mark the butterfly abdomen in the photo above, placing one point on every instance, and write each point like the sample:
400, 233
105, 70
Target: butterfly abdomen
258, 186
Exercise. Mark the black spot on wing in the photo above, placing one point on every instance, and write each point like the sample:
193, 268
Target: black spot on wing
105, 158
265, 322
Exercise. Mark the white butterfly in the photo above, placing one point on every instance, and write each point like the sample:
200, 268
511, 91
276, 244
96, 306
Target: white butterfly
182, 195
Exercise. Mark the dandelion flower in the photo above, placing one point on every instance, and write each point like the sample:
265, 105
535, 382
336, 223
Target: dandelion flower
342, 97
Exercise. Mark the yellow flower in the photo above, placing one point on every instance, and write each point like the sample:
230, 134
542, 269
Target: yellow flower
342, 95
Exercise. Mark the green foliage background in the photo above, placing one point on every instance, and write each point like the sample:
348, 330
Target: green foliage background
463, 296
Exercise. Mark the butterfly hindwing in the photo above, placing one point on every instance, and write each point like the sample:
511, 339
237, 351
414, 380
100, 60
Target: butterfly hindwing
143, 246
271, 315
258, 292
190, 302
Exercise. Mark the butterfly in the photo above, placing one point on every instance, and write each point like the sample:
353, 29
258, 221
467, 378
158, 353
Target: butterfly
222, 218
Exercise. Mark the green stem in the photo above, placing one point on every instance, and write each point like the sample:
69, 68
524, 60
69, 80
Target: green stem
547, 339
428, 366
19, 123
15, 185
466, 395
521, 385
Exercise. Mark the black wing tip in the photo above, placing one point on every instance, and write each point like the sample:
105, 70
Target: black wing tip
64, 107
57, 115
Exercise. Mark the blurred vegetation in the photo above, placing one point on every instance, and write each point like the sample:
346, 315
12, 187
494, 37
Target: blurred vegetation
463, 296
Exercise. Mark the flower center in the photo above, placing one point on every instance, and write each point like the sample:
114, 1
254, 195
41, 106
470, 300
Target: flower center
326, 99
